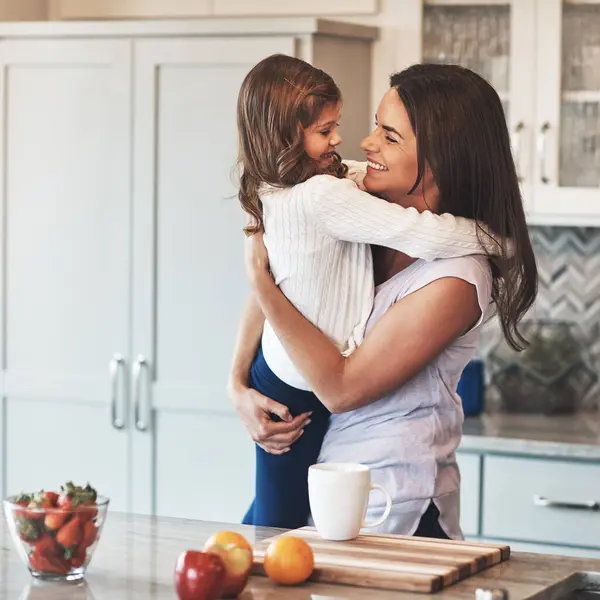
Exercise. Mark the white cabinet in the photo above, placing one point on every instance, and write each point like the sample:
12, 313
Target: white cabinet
122, 246
534, 504
65, 177
189, 283
470, 492
536, 500
543, 57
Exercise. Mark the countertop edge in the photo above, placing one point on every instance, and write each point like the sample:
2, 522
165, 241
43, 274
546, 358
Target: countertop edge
521, 446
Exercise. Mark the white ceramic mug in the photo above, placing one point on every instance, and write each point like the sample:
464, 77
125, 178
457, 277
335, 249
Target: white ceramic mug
339, 496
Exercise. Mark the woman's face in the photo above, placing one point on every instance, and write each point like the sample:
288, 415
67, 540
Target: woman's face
392, 158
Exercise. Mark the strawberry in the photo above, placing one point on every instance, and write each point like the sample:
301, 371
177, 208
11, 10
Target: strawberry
87, 513
22, 500
89, 534
82, 499
69, 535
46, 545
64, 502
73, 496
39, 501
39, 562
29, 531
51, 497
78, 557
48, 556
55, 521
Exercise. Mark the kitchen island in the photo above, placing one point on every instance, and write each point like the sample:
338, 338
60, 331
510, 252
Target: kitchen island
136, 556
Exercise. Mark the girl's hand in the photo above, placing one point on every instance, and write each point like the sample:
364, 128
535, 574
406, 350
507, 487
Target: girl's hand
257, 259
255, 410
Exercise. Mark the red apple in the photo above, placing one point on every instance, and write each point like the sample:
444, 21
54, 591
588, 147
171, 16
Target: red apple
199, 575
238, 566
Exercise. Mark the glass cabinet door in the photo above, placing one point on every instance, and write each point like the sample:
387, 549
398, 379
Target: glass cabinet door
494, 38
476, 37
568, 108
579, 164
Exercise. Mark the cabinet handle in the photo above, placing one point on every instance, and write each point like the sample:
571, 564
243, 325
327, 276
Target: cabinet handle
542, 151
141, 423
516, 144
543, 501
114, 366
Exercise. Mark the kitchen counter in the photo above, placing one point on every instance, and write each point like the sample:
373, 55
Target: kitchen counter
136, 555
565, 436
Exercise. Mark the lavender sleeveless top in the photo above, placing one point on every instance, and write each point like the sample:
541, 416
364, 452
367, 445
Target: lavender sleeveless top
409, 438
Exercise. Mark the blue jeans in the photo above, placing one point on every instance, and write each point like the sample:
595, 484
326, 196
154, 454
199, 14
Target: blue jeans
281, 490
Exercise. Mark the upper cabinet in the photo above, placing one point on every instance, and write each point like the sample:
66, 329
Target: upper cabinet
543, 58
568, 110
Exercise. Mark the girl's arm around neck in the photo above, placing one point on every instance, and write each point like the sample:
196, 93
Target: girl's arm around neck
345, 212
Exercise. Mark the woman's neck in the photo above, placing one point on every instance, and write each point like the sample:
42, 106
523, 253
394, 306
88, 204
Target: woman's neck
388, 262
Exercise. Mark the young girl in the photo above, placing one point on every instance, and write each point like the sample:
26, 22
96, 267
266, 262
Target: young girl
317, 227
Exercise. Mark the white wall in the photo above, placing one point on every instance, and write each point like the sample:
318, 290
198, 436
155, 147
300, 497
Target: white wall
400, 26
23, 10
399, 21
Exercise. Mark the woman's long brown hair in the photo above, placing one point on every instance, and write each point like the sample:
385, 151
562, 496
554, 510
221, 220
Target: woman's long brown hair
280, 97
461, 132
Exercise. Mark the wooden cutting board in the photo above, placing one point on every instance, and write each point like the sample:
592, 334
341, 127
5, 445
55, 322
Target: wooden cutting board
393, 562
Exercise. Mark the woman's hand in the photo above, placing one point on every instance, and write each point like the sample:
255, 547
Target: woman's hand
255, 410
257, 259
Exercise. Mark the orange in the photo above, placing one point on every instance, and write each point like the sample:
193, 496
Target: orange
226, 538
289, 560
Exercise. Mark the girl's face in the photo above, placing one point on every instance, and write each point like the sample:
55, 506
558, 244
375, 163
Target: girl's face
322, 137
392, 158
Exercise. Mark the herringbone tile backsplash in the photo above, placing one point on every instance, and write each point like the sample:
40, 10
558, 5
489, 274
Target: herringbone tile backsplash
569, 289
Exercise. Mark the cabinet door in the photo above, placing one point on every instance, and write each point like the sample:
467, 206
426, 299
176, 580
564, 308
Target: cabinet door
192, 456
541, 501
567, 170
496, 40
470, 492
65, 222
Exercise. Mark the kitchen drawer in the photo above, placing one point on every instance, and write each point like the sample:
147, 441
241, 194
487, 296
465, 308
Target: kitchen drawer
510, 510
470, 487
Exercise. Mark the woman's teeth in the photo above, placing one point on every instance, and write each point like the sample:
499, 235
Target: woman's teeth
376, 166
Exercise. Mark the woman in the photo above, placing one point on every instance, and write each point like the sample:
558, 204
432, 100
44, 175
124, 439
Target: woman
440, 144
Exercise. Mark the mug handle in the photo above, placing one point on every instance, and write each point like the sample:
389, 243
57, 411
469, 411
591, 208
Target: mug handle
388, 506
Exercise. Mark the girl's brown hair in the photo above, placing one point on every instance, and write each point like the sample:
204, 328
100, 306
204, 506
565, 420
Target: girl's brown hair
279, 98
458, 120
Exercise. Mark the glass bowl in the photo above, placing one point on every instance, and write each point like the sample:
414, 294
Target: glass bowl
56, 544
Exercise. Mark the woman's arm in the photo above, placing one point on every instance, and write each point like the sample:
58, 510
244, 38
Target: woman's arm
345, 212
408, 337
253, 408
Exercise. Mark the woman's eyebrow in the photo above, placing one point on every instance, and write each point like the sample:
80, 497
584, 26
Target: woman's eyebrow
392, 130
388, 128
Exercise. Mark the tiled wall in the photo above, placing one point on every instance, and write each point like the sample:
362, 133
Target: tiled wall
569, 289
